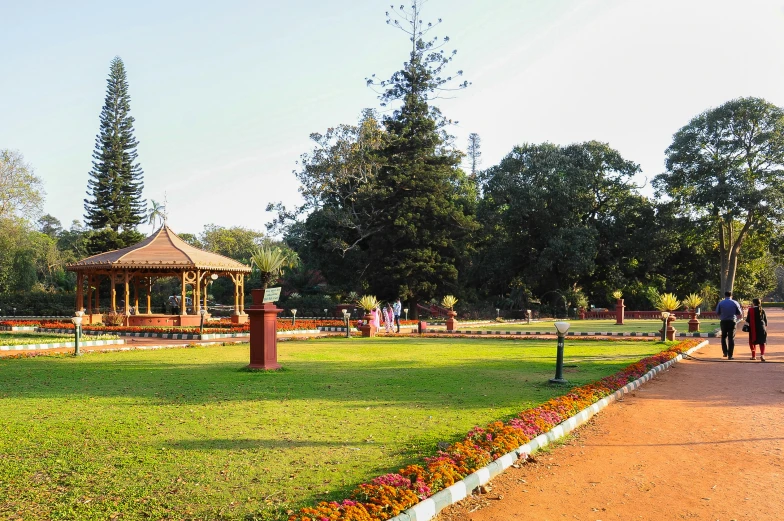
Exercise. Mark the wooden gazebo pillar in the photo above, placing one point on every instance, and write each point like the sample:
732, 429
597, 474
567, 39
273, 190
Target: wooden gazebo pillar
127, 310
183, 302
89, 294
197, 293
114, 293
149, 295
135, 295
242, 293
97, 279
79, 291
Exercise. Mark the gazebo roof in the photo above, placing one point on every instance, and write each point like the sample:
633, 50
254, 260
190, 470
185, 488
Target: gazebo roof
162, 250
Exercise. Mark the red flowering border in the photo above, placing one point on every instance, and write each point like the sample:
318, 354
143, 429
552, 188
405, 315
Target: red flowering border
210, 328
389, 495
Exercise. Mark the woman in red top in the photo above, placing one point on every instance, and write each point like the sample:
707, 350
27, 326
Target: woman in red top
758, 329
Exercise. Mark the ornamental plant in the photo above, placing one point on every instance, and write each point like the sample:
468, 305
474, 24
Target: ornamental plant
617, 294
668, 302
449, 302
692, 301
368, 303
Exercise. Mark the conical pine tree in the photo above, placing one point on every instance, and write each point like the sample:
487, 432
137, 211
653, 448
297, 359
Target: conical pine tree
116, 179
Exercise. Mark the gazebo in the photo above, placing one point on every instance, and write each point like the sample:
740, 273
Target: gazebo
161, 255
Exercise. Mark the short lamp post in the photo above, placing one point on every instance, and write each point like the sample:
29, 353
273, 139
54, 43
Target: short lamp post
77, 322
293, 316
497, 312
561, 328
325, 313
347, 322
528, 317
14, 311
406, 312
664, 316
202, 312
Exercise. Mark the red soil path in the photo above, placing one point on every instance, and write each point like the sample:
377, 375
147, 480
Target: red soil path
703, 441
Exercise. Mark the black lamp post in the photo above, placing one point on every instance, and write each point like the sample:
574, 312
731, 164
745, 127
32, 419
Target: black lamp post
77, 322
561, 328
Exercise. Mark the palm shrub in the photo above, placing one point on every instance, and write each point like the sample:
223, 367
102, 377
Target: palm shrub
449, 302
271, 260
668, 302
692, 301
368, 303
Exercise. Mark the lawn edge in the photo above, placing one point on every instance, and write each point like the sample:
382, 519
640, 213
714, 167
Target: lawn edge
428, 508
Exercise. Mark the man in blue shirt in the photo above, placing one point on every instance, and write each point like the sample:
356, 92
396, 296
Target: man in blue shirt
728, 310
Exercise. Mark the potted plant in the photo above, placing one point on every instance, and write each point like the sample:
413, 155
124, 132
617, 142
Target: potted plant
619, 307
692, 302
368, 303
667, 304
449, 302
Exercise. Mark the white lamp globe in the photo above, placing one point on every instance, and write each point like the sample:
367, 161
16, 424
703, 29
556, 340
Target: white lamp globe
562, 327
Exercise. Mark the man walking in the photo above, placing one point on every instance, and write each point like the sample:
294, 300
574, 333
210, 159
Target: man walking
729, 312
397, 307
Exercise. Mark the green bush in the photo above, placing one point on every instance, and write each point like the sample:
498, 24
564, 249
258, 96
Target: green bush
37, 304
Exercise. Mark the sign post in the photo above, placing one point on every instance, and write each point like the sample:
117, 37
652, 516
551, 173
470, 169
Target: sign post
263, 318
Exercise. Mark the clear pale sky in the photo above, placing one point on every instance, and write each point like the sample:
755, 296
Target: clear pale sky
225, 94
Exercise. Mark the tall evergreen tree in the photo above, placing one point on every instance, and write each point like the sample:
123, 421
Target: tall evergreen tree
116, 179
428, 201
474, 152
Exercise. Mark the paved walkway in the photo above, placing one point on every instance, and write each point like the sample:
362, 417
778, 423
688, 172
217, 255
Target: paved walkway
703, 441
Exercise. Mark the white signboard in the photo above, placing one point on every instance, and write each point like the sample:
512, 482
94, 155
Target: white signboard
271, 295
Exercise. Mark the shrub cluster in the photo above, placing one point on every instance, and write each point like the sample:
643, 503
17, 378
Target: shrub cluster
389, 495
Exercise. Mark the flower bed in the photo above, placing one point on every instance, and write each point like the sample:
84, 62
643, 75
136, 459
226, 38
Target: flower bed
389, 495
210, 327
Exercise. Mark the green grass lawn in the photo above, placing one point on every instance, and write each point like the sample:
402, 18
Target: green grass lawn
17, 338
646, 326
189, 433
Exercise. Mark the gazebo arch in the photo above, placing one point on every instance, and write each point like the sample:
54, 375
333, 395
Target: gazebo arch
161, 255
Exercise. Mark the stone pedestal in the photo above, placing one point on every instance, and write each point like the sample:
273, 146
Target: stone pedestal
671, 330
263, 320
694, 324
451, 323
241, 319
619, 312
368, 328
582, 313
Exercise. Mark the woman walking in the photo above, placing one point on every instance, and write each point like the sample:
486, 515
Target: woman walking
388, 318
758, 329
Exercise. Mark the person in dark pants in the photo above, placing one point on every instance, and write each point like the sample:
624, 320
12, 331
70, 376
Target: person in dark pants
397, 307
729, 312
758, 329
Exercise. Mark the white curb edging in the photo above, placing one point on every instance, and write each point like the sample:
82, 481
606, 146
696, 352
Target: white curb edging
427, 509
35, 347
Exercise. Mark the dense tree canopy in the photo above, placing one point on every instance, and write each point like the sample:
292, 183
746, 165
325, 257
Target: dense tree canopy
727, 166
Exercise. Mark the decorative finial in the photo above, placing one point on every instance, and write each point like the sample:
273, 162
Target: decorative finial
165, 209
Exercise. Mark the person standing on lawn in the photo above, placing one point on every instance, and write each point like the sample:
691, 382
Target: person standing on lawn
730, 313
758, 329
397, 307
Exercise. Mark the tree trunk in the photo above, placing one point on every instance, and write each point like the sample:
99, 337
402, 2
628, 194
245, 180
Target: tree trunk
729, 249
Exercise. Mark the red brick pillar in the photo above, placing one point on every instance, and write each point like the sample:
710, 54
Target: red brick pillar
670, 329
694, 324
263, 320
451, 323
619, 313
368, 328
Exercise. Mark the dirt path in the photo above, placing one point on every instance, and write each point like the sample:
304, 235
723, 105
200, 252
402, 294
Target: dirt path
703, 441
